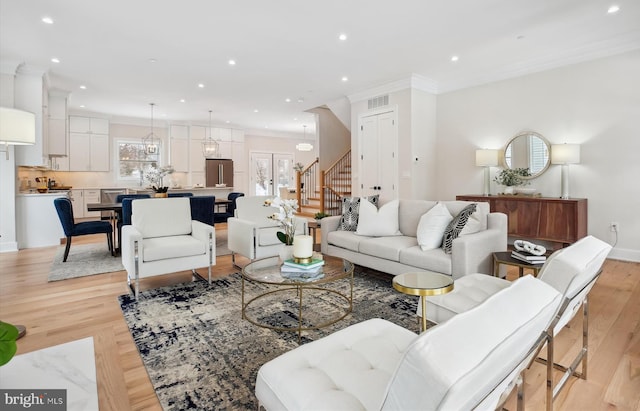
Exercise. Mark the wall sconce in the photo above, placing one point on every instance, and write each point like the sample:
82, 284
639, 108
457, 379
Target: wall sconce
17, 127
487, 158
565, 154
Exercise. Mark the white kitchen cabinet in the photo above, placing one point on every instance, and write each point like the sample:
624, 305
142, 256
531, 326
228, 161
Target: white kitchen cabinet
239, 157
77, 202
60, 163
180, 155
196, 158
88, 152
178, 132
57, 137
226, 149
237, 135
89, 125
90, 196
198, 133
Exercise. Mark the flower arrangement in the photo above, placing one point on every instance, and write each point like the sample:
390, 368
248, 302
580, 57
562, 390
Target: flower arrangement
284, 217
512, 177
155, 176
298, 167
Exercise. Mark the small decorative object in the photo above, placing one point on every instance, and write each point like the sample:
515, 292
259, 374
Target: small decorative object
302, 249
298, 167
511, 178
286, 253
535, 249
155, 176
284, 217
320, 215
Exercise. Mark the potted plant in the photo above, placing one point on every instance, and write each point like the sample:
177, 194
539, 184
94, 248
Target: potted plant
8, 336
155, 176
512, 177
320, 215
285, 216
298, 167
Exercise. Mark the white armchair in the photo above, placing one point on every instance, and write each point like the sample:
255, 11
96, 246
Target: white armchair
470, 362
251, 233
162, 238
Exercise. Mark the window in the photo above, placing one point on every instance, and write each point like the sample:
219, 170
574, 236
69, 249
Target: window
132, 158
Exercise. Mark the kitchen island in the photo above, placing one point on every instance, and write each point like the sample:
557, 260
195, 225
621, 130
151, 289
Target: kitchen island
218, 192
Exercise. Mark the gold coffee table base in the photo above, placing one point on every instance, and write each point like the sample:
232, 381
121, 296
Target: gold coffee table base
266, 271
300, 290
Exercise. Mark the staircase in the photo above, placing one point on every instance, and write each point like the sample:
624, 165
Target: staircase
322, 191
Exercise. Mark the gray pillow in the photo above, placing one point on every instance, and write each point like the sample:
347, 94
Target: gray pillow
455, 227
351, 210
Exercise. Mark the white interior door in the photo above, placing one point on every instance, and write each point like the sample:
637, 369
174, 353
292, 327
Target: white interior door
269, 172
378, 155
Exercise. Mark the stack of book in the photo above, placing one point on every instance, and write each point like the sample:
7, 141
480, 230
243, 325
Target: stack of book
528, 257
302, 272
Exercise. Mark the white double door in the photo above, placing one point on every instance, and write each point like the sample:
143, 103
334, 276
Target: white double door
378, 157
269, 172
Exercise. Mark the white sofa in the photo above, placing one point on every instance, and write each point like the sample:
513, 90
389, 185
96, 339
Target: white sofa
471, 253
162, 238
470, 361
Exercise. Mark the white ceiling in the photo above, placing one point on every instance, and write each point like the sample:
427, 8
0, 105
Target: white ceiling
290, 49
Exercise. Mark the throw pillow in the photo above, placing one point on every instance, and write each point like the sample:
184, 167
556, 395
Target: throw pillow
350, 211
455, 227
431, 227
378, 222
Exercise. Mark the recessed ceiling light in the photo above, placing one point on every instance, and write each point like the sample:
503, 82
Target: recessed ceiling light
83, 87
47, 20
153, 61
342, 37
345, 78
288, 100
201, 85
182, 100
266, 126
81, 105
227, 121
613, 9
295, 119
232, 62
55, 60
520, 37
300, 100
454, 58
255, 111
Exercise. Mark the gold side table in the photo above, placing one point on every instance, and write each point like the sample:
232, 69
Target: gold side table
424, 284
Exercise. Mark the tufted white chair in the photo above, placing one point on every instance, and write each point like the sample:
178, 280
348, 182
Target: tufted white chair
471, 361
162, 238
251, 233
572, 271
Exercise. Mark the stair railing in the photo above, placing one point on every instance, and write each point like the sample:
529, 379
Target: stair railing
336, 184
308, 183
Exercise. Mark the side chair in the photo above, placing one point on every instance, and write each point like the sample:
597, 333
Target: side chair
71, 229
572, 271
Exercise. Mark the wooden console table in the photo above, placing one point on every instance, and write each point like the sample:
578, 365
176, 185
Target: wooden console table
541, 218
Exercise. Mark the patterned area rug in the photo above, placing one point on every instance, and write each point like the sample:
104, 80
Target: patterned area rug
83, 260
200, 354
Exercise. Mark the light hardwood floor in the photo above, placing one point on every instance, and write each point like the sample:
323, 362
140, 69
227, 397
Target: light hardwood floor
63, 311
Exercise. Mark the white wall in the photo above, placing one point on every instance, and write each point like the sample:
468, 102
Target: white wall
595, 104
8, 240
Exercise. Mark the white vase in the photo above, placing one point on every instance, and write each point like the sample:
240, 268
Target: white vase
286, 252
509, 190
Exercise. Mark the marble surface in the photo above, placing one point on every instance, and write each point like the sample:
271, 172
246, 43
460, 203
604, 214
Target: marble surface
69, 366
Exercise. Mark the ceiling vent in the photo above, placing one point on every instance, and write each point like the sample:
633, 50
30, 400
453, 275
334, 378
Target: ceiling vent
379, 101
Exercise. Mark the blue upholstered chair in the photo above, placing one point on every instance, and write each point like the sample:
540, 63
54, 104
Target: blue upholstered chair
121, 197
180, 195
231, 208
202, 209
124, 218
71, 229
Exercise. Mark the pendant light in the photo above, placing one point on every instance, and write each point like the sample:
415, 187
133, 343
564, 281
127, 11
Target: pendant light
150, 144
304, 146
210, 147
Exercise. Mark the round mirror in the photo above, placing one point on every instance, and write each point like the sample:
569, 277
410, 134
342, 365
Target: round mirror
528, 150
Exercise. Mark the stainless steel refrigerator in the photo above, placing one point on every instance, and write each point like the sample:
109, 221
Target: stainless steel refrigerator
219, 171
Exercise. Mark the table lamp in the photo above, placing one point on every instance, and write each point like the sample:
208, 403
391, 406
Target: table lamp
486, 158
565, 154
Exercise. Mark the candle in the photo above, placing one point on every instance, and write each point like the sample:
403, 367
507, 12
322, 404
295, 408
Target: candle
302, 246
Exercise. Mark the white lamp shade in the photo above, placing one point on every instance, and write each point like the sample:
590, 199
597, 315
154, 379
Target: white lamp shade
17, 127
565, 154
486, 158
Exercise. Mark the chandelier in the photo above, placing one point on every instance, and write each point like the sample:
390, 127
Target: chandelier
304, 146
210, 147
149, 142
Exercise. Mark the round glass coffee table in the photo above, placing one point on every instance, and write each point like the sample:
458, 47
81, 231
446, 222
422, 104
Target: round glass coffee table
266, 272
424, 284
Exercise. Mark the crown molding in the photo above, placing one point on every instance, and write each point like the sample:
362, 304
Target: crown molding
415, 81
9, 67
31, 70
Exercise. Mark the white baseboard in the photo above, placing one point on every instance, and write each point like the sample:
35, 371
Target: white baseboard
625, 254
8, 246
